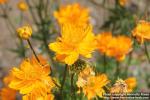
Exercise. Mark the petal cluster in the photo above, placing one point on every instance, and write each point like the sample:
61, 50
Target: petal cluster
131, 83
32, 79
114, 46
73, 13
22, 6
124, 86
123, 2
84, 75
3, 1
7, 93
102, 41
24, 32
74, 41
142, 31
91, 84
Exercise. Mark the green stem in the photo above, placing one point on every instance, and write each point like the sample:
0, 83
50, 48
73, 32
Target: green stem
21, 41
117, 73
72, 87
46, 8
45, 32
81, 96
23, 48
64, 79
55, 83
128, 63
45, 43
146, 52
32, 12
104, 63
33, 50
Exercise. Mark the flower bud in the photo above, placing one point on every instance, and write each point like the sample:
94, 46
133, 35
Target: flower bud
25, 32
22, 6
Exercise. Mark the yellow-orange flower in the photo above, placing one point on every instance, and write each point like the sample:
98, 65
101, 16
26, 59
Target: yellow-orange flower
84, 75
119, 87
74, 41
7, 93
131, 83
94, 86
114, 46
91, 84
24, 32
123, 2
22, 6
142, 31
3, 1
102, 41
119, 47
32, 77
124, 86
74, 14
8, 79
36, 95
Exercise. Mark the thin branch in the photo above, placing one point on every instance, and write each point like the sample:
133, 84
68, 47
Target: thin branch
146, 52
64, 79
33, 50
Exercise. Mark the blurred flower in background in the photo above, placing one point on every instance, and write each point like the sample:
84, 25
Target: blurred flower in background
22, 6
142, 31
3, 1
73, 13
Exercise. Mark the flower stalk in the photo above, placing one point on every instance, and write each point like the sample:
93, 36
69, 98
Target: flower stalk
117, 73
104, 63
64, 79
146, 52
128, 64
72, 87
33, 50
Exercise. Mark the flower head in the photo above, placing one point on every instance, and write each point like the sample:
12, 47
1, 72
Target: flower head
119, 47
36, 95
32, 78
91, 84
142, 31
74, 41
84, 75
25, 32
7, 93
94, 86
73, 13
114, 46
131, 83
22, 6
119, 87
102, 41
124, 86
123, 2
8, 79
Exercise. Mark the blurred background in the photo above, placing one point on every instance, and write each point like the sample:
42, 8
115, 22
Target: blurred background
102, 19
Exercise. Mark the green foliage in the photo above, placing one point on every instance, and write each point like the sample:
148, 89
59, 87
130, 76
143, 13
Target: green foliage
121, 20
